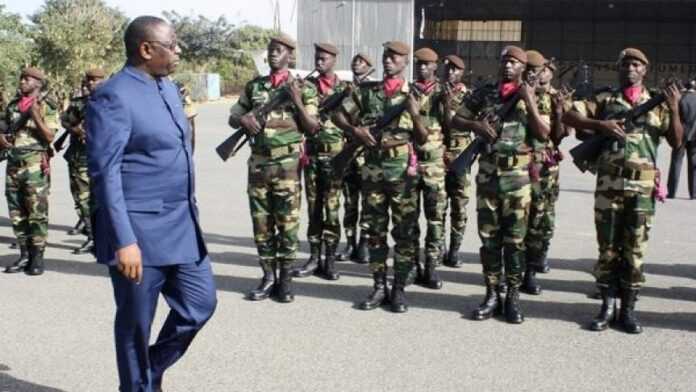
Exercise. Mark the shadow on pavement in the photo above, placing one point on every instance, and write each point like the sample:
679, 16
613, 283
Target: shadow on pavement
11, 384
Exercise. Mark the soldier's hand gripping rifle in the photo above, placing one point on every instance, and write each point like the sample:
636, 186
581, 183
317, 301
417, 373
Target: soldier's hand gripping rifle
72, 118
8, 130
585, 154
341, 162
229, 147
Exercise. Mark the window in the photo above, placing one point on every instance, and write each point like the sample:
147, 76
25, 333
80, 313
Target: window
474, 30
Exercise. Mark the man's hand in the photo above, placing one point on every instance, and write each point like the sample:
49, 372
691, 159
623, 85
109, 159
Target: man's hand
364, 135
412, 106
672, 96
484, 129
613, 128
250, 124
528, 94
79, 132
130, 263
294, 88
4, 144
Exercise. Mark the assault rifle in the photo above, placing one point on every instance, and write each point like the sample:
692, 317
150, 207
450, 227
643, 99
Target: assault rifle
586, 153
351, 150
229, 147
332, 102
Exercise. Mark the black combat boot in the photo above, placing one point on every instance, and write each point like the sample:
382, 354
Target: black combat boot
328, 270
78, 228
378, 296
362, 252
513, 313
431, 278
607, 312
21, 263
452, 258
398, 297
350, 251
627, 316
36, 261
491, 305
285, 294
267, 284
530, 285
544, 267
312, 264
417, 274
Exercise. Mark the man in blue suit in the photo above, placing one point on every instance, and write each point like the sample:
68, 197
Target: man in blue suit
146, 220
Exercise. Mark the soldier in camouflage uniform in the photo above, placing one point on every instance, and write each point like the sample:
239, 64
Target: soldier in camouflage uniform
352, 204
626, 181
274, 184
458, 187
543, 173
431, 167
76, 155
28, 172
322, 188
503, 186
386, 183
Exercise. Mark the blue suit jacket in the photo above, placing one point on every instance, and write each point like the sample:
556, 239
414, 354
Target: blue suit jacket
142, 172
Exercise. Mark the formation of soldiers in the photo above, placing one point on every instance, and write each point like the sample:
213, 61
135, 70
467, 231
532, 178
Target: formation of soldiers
393, 147
393, 150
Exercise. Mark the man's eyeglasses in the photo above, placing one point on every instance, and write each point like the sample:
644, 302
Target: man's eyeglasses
171, 46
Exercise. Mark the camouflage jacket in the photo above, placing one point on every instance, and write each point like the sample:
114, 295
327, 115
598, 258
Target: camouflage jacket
458, 95
26, 139
432, 112
514, 137
75, 113
642, 140
329, 133
282, 128
545, 107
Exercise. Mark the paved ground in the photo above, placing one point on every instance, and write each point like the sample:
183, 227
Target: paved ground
57, 329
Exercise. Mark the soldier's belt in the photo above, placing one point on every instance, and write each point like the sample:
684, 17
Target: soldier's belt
277, 152
628, 173
275, 123
395, 151
324, 148
508, 161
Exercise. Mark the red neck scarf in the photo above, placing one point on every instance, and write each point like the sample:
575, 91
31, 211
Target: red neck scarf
25, 103
279, 77
326, 83
508, 89
632, 94
426, 86
460, 87
392, 85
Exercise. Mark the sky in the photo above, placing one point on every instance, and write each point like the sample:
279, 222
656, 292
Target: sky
257, 12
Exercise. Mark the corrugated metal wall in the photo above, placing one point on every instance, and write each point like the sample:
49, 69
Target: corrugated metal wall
354, 26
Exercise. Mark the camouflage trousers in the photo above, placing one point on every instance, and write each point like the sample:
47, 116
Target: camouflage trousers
80, 190
458, 189
431, 189
395, 194
27, 188
323, 201
502, 227
542, 213
274, 201
623, 220
352, 206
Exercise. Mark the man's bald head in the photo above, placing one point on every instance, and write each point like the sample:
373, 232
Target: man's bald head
141, 29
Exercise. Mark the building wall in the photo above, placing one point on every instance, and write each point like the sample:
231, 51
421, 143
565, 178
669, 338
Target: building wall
354, 26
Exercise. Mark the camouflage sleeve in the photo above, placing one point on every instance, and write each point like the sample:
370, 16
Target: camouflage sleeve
242, 106
351, 105
545, 107
310, 99
50, 117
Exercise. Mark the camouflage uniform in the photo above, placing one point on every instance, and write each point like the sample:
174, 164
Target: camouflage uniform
27, 181
386, 185
503, 190
76, 156
544, 176
431, 167
624, 201
322, 189
273, 183
458, 187
352, 184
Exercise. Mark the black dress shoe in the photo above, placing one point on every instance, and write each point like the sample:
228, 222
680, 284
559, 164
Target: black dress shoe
21, 263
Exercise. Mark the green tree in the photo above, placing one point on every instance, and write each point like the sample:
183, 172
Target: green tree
74, 35
16, 50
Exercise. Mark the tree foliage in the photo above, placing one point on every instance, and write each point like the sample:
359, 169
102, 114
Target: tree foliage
71, 36
16, 50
